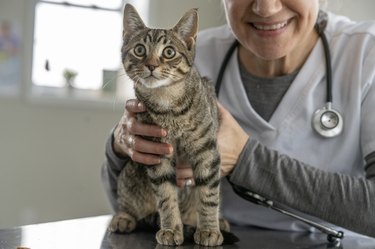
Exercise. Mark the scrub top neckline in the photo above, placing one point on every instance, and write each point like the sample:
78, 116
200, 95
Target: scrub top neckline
290, 105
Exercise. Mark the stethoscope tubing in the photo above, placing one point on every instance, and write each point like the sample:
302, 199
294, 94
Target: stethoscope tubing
236, 43
223, 66
328, 60
321, 120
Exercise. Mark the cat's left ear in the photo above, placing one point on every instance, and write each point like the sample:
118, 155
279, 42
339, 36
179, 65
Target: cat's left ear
187, 27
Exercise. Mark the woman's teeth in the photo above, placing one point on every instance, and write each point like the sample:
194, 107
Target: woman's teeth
271, 27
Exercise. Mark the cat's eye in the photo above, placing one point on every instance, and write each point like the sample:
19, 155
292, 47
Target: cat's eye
140, 50
169, 52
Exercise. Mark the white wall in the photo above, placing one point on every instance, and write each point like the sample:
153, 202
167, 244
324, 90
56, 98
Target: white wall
51, 153
355, 9
50, 161
166, 13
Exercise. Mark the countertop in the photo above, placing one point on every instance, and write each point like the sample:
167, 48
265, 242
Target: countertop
91, 233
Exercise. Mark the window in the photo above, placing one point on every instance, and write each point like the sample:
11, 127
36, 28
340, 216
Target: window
77, 43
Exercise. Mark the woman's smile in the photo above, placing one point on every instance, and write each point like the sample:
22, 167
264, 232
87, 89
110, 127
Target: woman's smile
269, 27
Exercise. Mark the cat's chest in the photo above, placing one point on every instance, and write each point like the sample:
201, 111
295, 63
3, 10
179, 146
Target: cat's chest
175, 125
170, 108
164, 104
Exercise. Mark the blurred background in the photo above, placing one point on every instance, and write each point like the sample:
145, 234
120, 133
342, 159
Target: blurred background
62, 90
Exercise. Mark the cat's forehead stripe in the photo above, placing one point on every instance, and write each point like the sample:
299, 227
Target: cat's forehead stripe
155, 36
158, 34
148, 37
163, 36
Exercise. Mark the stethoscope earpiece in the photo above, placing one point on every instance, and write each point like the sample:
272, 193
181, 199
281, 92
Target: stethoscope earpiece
327, 122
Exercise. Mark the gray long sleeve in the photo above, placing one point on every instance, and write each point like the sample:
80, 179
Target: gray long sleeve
332, 197
111, 169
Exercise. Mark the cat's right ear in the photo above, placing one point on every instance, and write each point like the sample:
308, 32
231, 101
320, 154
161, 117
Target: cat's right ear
132, 21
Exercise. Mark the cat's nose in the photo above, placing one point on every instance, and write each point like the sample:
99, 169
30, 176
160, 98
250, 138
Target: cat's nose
151, 67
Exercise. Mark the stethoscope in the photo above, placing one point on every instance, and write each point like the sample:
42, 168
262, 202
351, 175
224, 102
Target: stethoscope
326, 121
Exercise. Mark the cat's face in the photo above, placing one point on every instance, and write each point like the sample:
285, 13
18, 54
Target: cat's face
155, 59
158, 57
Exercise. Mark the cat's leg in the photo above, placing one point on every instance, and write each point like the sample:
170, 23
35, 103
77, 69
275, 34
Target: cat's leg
163, 180
207, 179
135, 199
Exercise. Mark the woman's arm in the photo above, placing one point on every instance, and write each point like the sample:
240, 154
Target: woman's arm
111, 169
344, 200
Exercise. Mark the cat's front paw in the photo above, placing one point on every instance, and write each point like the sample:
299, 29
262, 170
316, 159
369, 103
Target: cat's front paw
208, 237
122, 223
169, 237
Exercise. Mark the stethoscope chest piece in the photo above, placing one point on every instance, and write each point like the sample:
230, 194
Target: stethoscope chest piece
327, 122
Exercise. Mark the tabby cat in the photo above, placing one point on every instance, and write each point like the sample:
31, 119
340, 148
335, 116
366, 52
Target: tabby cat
177, 98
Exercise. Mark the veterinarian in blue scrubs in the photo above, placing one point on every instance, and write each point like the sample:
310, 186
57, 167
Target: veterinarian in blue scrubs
274, 139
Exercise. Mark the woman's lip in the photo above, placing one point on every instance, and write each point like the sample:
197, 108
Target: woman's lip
270, 29
269, 26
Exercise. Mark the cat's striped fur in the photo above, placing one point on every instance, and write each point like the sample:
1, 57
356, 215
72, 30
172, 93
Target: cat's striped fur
160, 62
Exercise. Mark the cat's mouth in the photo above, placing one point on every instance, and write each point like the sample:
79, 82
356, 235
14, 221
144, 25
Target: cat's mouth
152, 81
151, 77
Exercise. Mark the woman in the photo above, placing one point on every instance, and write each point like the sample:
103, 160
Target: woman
273, 83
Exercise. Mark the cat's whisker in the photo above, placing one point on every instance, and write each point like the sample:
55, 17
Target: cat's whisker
109, 81
174, 77
137, 80
115, 97
113, 79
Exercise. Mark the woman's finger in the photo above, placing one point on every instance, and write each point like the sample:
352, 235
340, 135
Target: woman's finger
146, 146
134, 105
132, 125
144, 158
185, 182
184, 175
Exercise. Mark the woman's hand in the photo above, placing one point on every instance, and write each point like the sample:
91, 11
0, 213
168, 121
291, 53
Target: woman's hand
128, 139
129, 142
231, 139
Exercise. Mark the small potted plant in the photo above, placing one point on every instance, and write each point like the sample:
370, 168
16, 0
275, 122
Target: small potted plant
69, 76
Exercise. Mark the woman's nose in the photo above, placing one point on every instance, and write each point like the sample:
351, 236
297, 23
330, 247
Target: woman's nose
266, 8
